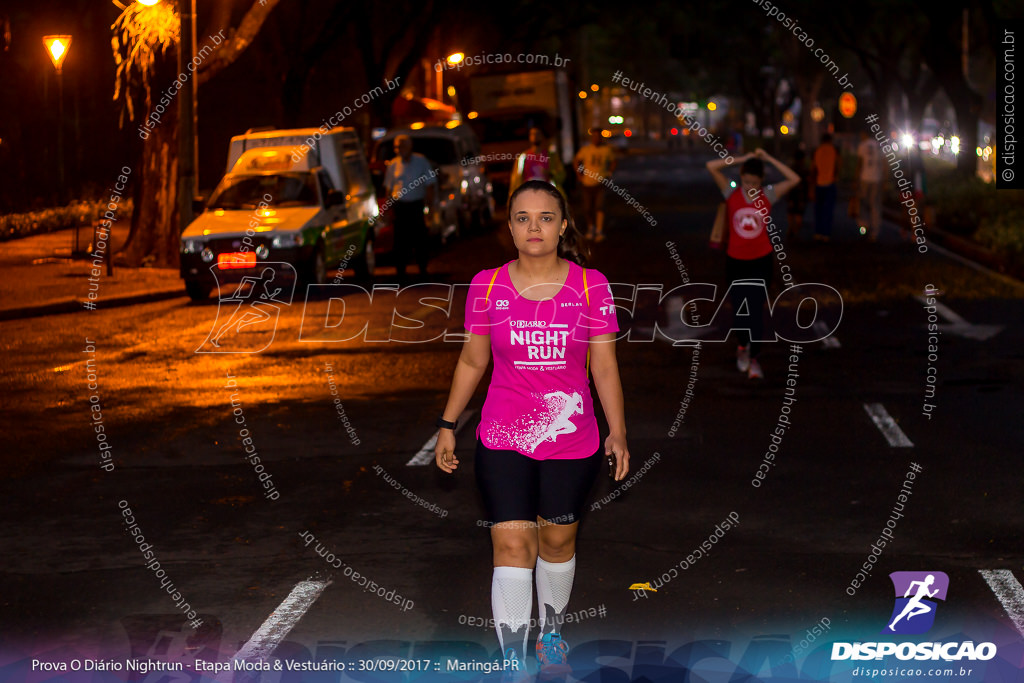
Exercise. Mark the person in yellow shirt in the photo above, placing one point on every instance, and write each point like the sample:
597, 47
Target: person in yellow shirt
594, 163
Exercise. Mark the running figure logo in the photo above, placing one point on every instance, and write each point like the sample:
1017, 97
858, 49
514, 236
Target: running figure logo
257, 304
913, 611
561, 407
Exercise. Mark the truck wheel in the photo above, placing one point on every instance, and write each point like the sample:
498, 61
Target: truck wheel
366, 263
316, 271
196, 290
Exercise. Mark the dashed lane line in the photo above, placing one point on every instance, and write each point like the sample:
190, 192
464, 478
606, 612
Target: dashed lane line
425, 455
830, 341
890, 430
281, 621
957, 325
1009, 593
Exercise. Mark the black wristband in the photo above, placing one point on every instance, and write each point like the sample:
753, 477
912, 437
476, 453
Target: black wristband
445, 424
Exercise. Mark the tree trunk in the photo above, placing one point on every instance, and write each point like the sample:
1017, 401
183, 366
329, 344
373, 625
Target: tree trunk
967, 111
941, 51
809, 90
154, 236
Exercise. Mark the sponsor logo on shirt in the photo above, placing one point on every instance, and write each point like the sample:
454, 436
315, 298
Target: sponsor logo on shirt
747, 223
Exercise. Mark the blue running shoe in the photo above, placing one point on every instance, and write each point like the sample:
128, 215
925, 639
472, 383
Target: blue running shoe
552, 650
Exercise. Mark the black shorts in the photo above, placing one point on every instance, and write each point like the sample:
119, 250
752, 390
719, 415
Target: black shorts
516, 487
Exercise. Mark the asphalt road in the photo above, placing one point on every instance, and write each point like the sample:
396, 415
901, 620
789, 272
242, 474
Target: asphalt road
242, 552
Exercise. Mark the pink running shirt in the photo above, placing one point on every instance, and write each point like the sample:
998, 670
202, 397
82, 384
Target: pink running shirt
539, 402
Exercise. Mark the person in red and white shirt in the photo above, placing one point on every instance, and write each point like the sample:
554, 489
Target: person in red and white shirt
748, 255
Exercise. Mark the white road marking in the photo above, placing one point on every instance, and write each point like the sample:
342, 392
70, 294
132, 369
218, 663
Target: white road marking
830, 341
281, 621
945, 311
890, 430
958, 325
1009, 593
425, 455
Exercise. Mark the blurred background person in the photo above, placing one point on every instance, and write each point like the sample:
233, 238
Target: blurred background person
796, 201
749, 254
825, 171
869, 186
411, 183
539, 162
594, 162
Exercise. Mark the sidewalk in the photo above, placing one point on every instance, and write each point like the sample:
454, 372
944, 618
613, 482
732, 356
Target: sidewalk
41, 278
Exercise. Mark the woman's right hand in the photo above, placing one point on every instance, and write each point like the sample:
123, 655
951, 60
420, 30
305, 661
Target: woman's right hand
444, 451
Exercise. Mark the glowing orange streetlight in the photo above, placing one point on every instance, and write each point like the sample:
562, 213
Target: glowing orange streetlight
454, 59
57, 49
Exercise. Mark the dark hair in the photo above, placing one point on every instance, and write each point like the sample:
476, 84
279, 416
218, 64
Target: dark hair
570, 245
753, 166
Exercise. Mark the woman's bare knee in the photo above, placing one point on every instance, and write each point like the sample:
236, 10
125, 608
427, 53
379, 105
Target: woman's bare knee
557, 542
515, 544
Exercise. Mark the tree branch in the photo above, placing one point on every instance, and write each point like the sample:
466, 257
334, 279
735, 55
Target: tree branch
238, 40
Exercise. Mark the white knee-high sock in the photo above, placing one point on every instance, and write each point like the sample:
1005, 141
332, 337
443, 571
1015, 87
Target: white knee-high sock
554, 584
512, 607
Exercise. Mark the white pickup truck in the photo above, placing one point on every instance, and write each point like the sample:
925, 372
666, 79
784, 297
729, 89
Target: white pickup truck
296, 196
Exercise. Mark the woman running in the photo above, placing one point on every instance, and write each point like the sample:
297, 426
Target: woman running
538, 448
748, 255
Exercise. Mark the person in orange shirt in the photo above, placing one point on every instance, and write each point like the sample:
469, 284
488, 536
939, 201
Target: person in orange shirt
826, 171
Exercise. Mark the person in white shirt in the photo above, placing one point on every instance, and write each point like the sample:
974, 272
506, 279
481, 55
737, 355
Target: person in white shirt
594, 162
869, 184
411, 184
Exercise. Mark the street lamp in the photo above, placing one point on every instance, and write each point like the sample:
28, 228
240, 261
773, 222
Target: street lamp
57, 48
453, 59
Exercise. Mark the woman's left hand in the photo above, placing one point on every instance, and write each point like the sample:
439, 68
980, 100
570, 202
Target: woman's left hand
615, 446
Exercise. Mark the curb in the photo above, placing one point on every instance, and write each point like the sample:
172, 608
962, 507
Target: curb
990, 260
76, 305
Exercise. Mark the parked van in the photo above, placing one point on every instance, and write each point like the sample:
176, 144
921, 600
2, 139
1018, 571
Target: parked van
297, 196
464, 191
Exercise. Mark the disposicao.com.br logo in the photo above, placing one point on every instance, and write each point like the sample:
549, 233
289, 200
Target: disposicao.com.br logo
914, 613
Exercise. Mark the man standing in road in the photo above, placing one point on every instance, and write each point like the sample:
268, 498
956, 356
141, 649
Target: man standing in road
826, 170
869, 184
594, 163
411, 183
